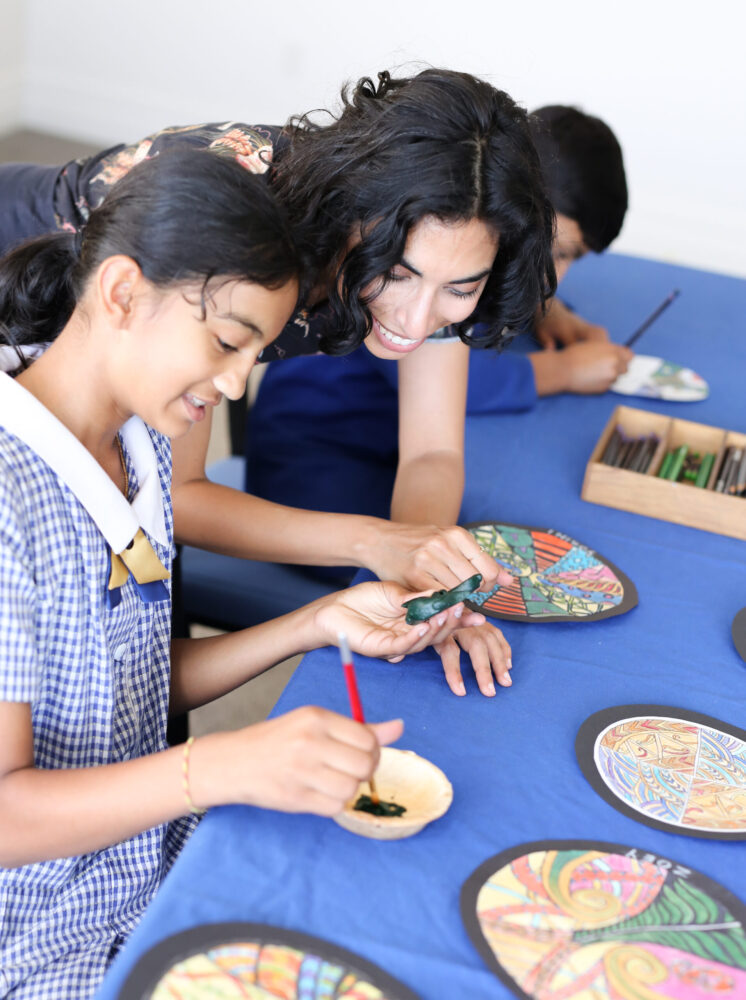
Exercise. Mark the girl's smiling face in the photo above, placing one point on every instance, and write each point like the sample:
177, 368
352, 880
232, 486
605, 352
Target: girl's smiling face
186, 352
438, 281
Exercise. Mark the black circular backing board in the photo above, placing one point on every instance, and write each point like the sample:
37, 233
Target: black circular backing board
542, 593
738, 631
154, 964
585, 750
672, 906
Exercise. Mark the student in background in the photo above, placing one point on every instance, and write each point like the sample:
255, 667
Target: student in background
328, 430
158, 307
582, 163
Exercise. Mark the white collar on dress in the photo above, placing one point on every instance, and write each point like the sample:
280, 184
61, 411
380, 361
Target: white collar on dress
24, 416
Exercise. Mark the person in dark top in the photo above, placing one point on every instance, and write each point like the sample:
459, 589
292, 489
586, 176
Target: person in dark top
328, 428
583, 167
420, 206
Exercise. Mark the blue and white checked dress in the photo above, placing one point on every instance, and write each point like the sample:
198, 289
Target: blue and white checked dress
98, 684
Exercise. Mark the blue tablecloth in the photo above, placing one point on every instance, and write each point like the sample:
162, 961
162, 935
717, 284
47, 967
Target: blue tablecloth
511, 759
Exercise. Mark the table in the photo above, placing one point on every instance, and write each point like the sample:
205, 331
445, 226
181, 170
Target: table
511, 759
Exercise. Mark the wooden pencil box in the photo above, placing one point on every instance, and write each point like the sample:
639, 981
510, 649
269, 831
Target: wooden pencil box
645, 493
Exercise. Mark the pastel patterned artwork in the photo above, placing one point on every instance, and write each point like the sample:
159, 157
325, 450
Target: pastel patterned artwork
655, 378
668, 768
578, 920
556, 578
256, 962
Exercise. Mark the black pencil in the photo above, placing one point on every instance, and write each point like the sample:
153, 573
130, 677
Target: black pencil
724, 471
646, 454
740, 484
652, 318
612, 447
735, 467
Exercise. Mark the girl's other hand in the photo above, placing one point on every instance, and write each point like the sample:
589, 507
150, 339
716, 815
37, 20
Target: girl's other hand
490, 657
374, 621
426, 557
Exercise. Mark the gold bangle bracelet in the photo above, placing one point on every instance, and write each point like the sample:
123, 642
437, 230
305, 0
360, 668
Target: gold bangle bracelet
185, 779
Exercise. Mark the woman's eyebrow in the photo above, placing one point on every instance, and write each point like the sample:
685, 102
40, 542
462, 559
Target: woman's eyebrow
474, 277
455, 281
249, 324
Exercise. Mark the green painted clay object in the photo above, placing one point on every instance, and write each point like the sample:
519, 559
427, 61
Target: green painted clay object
419, 609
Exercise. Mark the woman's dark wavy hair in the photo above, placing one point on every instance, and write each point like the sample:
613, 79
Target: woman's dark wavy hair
184, 217
442, 144
584, 170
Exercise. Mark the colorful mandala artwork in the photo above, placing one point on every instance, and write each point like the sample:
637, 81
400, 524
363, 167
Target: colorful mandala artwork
655, 378
579, 920
668, 768
256, 962
556, 578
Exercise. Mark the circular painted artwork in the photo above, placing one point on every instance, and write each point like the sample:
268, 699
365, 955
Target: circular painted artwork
738, 632
668, 768
258, 962
659, 379
580, 920
556, 578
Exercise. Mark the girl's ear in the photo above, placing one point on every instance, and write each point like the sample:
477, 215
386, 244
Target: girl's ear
118, 281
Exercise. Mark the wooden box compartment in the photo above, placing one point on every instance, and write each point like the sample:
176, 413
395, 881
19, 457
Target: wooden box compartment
645, 493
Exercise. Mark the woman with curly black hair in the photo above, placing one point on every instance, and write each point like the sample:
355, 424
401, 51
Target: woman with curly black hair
419, 210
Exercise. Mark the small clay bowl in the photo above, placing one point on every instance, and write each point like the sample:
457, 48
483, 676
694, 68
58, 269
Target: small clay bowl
409, 780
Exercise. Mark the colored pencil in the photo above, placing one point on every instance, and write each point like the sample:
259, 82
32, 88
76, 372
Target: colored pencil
723, 471
665, 465
704, 470
645, 454
652, 318
679, 455
735, 466
612, 447
739, 486
356, 706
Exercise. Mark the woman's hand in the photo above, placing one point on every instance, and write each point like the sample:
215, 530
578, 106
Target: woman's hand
372, 617
425, 557
309, 760
490, 657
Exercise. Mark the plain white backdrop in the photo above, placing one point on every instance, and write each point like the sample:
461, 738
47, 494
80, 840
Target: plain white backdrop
669, 77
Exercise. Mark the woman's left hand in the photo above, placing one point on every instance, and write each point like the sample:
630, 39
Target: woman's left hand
490, 657
372, 617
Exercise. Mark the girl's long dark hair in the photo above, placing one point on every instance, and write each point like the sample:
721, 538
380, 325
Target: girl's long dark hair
442, 144
184, 217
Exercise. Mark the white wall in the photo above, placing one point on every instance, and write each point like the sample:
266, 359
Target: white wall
668, 76
12, 38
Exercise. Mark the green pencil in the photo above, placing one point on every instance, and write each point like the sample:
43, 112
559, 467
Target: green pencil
704, 470
665, 465
678, 460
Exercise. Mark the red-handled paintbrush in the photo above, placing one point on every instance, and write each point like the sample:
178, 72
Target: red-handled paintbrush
356, 707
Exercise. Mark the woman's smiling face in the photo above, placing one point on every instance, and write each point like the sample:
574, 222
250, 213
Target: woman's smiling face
438, 281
